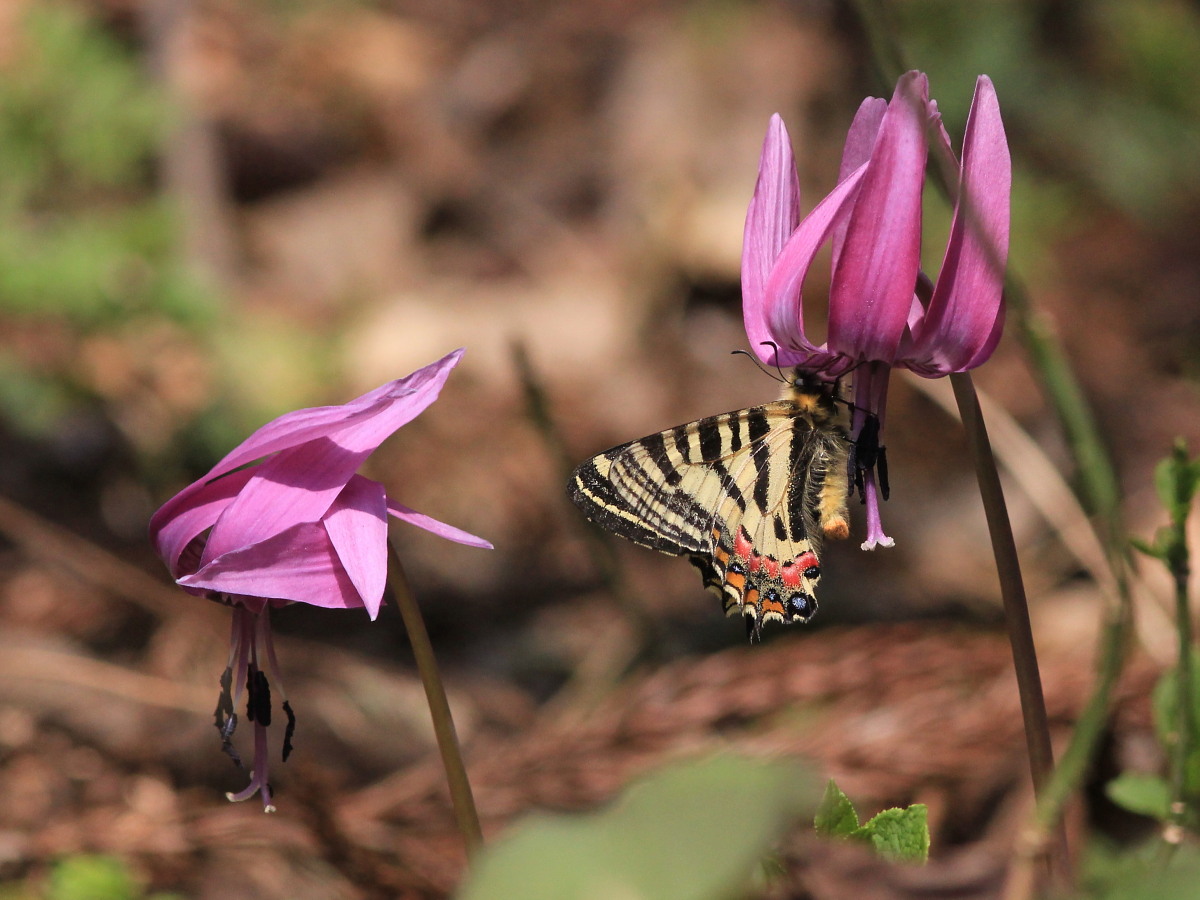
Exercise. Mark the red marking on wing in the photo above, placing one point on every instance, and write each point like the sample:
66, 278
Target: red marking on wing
791, 573
743, 546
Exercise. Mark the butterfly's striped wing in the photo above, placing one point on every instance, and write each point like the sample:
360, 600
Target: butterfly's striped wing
745, 495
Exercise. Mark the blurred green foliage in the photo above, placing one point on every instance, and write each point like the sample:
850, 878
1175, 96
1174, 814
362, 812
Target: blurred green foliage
91, 878
1110, 872
1106, 93
694, 831
87, 242
84, 877
83, 234
1176, 699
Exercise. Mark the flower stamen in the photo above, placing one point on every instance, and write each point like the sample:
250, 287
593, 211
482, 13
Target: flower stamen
251, 658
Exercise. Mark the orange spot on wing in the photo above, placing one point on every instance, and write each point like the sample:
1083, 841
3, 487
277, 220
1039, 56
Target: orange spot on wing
772, 608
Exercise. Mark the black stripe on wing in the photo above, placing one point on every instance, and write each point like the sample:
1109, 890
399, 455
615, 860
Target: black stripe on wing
650, 514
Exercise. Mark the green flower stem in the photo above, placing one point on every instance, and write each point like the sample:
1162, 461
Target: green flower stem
1100, 495
1184, 699
439, 707
1016, 608
1177, 479
1012, 588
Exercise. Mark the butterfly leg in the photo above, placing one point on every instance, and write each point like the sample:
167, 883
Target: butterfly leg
867, 454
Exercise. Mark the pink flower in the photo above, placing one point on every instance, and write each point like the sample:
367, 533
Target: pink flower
298, 526
883, 311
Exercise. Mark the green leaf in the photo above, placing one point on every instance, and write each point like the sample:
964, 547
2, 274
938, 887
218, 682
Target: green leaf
1150, 549
835, 816
1176, 479
1146, 795
901, 835
691, 832
1165, 703
1165, 539
91, 878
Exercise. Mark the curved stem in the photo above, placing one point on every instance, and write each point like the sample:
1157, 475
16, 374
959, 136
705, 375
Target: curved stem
439, 707
1012, 587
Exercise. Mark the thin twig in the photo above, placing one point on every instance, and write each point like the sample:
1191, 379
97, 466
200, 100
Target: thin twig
193, 169
55, 546
651, 635
439, 707
61, 668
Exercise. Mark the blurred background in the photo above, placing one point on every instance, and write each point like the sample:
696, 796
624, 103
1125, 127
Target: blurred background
214, 212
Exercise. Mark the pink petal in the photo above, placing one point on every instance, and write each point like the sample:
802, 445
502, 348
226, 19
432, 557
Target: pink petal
300, 482
859, 141
371, 417
936, 129
357, 526
860, 138
293, 486
399, 402
876, 271
299, 564
984, 353
779, 316
771, 218
191, 512
441, 529
962, 325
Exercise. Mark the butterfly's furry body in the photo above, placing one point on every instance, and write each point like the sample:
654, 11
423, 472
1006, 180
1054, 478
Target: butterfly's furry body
746, 495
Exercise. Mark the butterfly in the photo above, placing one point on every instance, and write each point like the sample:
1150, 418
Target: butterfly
746, 495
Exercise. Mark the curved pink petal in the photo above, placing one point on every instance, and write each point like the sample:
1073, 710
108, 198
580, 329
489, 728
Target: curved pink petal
984, 353
936, 129
772, 216
857, 150
353, 424
182, 518
441, 529
300, 482
293, 486
876, 271
961, 326
298, 564
778, 318
357, 526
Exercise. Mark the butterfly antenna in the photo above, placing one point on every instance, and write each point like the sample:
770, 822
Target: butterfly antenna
754, 360
778, 369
